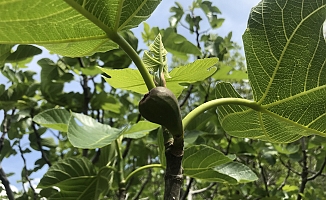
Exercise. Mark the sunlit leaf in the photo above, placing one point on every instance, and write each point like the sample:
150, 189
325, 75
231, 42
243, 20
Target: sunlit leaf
76, 178
178, 45
73, 27
130, 79
85, 132
238, 171
287, 85
139, 130
53, 118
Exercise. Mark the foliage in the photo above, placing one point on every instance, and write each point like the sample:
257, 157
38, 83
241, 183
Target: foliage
263, 140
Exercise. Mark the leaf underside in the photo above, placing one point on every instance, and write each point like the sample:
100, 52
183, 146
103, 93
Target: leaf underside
285, 53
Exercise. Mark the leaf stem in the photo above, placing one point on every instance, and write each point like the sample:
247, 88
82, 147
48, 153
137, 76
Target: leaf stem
219, 102
142, 168
116, 37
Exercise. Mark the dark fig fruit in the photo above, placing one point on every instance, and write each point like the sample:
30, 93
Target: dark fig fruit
160, 106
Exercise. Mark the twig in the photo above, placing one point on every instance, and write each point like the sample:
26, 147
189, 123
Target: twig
96, 157
304, 172
285, 179
5, 127
39, 141
86, 92
263, 175
3, 176
189, 185
289, 167
143, 185
182, 103
203, 189
6, 184
319, 172
25, 172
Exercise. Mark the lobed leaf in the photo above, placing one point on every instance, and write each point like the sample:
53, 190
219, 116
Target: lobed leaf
76, 178
285, 52
71, 28
53, 118
130, 79
85, 132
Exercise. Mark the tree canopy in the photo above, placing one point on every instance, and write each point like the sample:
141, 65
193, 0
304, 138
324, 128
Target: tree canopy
195, 115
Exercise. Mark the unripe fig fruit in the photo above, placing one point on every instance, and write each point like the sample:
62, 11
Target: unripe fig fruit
160, 106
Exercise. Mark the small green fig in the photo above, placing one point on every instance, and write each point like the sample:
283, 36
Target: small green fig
160, 106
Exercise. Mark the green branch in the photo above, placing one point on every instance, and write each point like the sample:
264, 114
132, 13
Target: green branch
142, 168
219, 102
116, 37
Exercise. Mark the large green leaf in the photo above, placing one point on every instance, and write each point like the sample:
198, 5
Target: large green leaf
199, 161
71, 27
130, 79
76, 178
206, 163
83, 131
87, 133
285, 52
53, 118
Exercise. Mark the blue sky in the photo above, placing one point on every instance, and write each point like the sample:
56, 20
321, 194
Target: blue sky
236, 14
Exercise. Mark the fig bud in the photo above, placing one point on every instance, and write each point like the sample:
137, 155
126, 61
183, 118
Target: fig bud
160, 106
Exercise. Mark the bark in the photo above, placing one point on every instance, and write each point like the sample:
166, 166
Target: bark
174, 171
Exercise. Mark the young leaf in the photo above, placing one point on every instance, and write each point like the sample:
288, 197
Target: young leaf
155, 60
130, 79
211, 13
288, 86
178, 10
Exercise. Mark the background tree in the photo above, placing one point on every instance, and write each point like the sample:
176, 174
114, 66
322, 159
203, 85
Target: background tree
98, 146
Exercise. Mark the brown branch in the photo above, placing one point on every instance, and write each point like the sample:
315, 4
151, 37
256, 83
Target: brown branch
182, 103
143, 185
263, 175
25, 172
5, 127
284, 181
96, 157
289, 167
185, 194
319, 172
6, 184
174, 170
304, 172
86, 92
3, 177
39, 141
